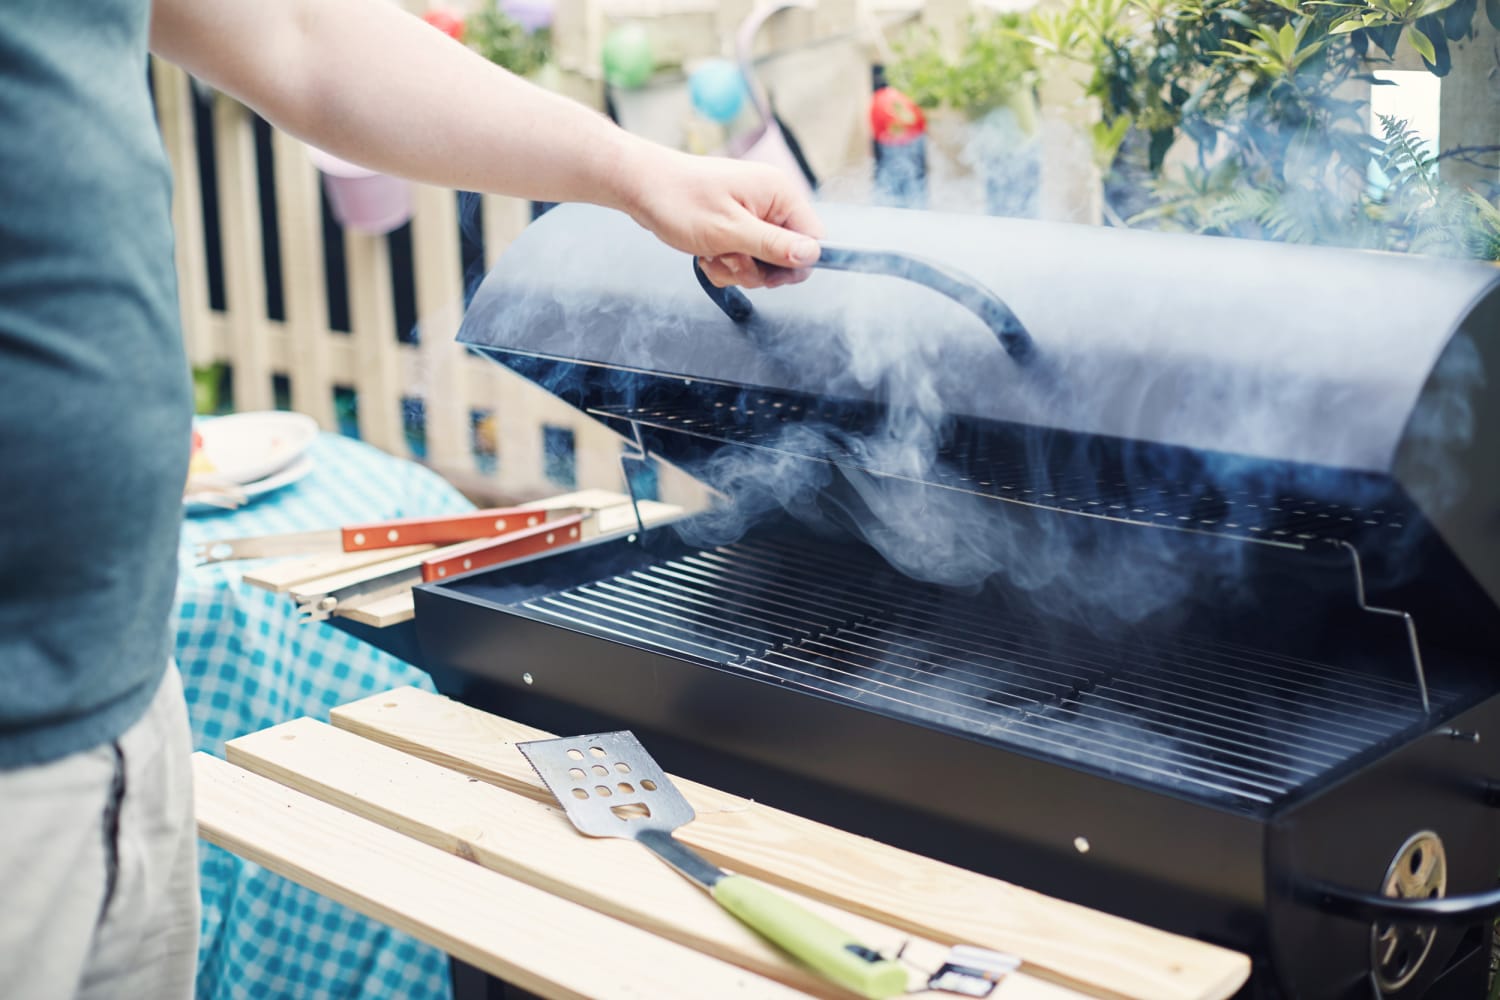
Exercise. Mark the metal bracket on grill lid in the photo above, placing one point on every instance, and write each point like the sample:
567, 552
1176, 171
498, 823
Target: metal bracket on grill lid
947, 281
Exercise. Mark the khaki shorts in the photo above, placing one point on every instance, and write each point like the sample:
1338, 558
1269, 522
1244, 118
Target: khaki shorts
99, 866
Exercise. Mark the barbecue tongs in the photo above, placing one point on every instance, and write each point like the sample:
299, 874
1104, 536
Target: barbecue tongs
954, 284
421, 550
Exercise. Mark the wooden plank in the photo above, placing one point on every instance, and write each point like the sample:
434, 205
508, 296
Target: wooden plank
380, 613
284, 574
372, 314
526, 840
504, 219
348, 578
244, 263
521, 934
1059, 941
299, 221
597, 451
621, 519
595, 499
440, 306
174, 108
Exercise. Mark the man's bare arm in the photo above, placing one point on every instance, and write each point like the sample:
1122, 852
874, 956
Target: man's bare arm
370, 83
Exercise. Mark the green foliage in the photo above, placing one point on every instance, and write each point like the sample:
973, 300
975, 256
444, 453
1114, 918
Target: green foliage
503, 41
1419, 213
1411, 171
996, 68
1415, 212
1481, 234
1257, 86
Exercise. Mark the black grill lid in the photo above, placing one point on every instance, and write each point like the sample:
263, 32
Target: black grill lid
1367, 366
1288, 353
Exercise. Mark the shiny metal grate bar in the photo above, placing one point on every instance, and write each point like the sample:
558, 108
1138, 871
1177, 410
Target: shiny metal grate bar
1201, 716
817, 432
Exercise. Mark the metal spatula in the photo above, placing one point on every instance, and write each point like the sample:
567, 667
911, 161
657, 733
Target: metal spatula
610, 787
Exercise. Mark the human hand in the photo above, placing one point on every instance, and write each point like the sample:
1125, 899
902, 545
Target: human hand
749, 224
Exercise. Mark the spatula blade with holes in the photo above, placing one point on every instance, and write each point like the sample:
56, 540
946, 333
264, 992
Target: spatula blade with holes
611, 787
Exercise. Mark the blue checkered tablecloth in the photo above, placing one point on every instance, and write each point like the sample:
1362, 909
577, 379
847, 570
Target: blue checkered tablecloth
247, 664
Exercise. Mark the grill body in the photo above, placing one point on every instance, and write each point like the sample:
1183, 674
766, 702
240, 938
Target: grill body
1211, 617
1224, 837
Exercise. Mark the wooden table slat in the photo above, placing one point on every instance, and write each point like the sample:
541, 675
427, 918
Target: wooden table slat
1062, 942
521, 934
529, 841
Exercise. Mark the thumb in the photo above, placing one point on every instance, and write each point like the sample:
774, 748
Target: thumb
777, 246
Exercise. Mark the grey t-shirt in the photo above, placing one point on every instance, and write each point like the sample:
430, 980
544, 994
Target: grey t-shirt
95, 400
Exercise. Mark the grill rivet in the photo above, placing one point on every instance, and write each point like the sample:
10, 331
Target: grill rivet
526, 678
393, 534
1081, 844
359, 538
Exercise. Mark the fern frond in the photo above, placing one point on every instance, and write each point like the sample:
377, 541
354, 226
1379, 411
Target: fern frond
1404, 160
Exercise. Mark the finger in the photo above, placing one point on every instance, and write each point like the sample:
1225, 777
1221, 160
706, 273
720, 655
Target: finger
734, 269
717, 274
778, 276
751, 277
738, 264
797, 214
774, 244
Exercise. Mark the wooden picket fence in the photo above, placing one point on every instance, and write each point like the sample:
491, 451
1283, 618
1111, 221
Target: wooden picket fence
483, 427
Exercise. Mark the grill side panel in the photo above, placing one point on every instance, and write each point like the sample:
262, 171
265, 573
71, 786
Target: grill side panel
1346, 835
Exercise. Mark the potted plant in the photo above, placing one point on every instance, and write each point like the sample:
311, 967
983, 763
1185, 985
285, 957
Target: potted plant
981, 104
515, 34
1255, 98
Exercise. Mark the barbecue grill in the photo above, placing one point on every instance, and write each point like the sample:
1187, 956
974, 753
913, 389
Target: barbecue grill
1161, 573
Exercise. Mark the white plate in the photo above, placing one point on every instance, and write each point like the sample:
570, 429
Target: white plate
195, 503
245, 447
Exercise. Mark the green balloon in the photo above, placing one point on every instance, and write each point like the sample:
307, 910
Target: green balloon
628, 62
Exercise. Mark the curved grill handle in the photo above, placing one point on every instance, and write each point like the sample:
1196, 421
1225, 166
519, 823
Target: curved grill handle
956, 285
1450, 911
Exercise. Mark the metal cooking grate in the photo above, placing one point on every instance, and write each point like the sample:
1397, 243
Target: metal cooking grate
1267, 518
1202, 716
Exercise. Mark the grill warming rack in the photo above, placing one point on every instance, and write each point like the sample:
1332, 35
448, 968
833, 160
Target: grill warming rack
1204, 717
1265, 518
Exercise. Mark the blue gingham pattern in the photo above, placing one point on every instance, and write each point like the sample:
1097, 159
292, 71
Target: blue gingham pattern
247, 664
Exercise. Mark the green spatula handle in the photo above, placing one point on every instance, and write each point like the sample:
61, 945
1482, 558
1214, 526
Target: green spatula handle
810, 938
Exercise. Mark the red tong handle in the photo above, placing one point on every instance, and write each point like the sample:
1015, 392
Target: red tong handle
441, 530
515, 545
